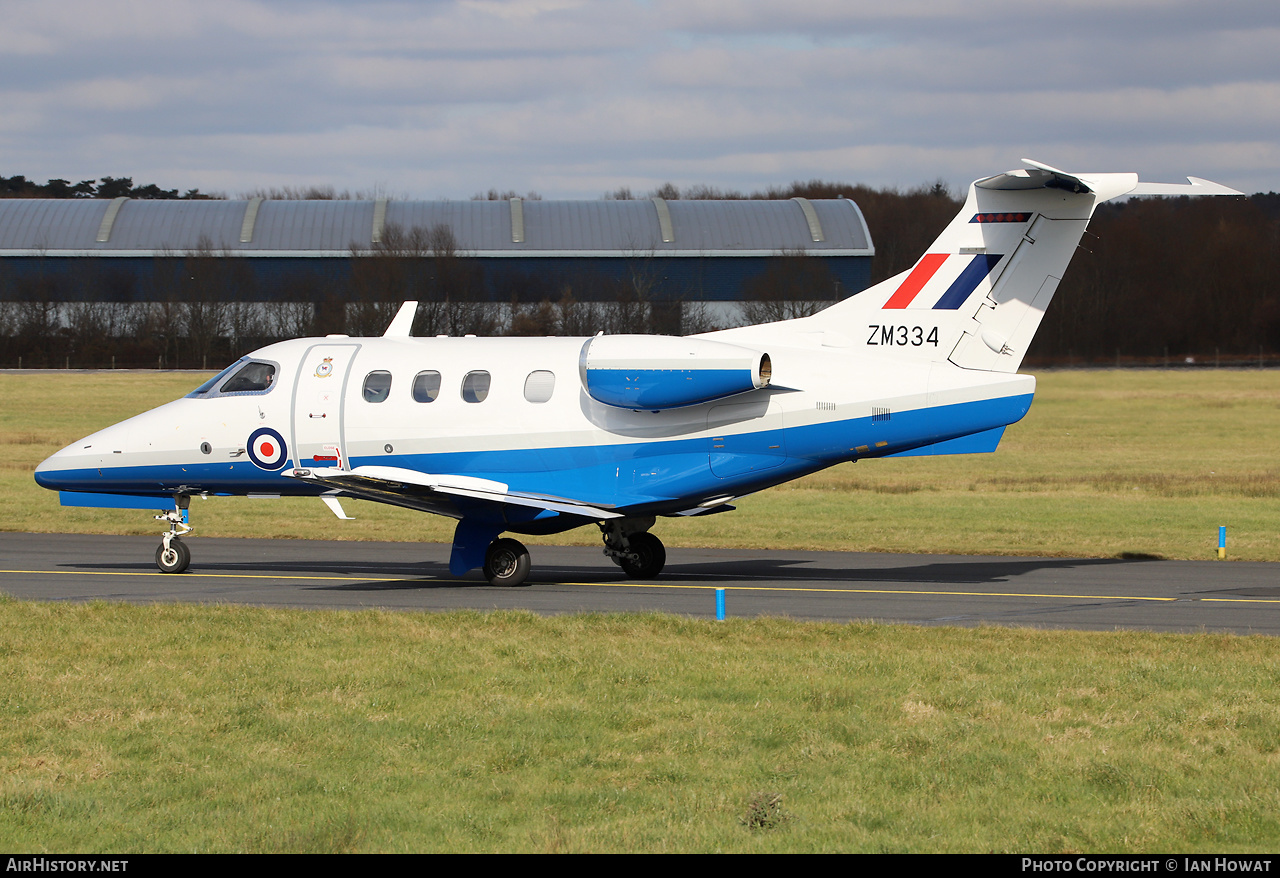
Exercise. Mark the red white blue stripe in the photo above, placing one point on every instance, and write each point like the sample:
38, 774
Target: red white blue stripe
943, 281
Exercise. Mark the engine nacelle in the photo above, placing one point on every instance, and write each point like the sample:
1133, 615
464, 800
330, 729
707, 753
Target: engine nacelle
654, 372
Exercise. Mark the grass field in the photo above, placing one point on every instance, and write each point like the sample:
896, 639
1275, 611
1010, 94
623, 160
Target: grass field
171, 728
174, 728
1106, 463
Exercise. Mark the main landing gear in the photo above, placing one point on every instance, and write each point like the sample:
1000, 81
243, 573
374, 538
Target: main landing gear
629, 544
173, 556
506, 562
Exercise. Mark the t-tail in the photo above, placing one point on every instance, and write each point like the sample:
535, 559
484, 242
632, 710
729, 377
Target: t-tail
983, 286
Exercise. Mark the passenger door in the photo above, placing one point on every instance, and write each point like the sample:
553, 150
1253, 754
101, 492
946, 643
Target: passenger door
318, 396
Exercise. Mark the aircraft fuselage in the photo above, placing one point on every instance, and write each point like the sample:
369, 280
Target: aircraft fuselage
515, 411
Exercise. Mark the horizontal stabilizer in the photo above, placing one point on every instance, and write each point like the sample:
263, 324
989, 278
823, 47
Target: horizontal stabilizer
1195, 186
1105, 186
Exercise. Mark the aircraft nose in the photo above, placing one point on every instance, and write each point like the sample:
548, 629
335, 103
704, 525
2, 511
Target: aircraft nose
52, 472
78, 467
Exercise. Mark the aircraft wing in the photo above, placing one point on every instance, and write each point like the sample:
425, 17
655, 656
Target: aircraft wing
438, 493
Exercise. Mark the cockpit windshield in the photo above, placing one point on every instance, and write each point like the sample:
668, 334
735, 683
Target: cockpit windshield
203, 389
246, 376
254, 376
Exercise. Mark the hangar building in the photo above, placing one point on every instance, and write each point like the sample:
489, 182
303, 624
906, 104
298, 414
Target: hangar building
68, 250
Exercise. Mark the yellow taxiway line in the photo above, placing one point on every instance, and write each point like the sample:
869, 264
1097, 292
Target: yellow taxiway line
764, 588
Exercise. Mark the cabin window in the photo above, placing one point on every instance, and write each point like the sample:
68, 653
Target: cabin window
539, 386
426, 386
253, 377
377, 386
475, 387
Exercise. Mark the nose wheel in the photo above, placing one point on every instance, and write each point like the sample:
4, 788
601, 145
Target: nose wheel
173, 556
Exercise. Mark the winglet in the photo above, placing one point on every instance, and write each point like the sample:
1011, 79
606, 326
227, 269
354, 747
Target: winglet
403, 321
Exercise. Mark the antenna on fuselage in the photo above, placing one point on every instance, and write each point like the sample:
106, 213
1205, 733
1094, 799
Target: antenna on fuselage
402, 323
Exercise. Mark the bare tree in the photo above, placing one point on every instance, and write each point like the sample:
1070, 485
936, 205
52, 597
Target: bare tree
696, 317
534, 320
578, 318
289, 319
667, 192
425, 265
460, 284
506, 195
795, 284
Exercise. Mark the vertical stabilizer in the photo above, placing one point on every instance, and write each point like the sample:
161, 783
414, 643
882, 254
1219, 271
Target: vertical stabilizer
977, 296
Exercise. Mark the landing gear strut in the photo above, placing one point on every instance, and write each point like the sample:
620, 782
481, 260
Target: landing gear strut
173, 556
506, 562
628, 544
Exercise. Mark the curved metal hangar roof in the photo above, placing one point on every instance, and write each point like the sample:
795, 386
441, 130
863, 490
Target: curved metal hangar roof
125, 227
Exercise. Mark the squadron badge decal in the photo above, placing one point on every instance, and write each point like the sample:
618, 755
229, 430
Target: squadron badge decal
325, 369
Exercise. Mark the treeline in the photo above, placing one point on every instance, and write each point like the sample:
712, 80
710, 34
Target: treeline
1173, 278
427, 265
204, 308
106, 187
1156, 279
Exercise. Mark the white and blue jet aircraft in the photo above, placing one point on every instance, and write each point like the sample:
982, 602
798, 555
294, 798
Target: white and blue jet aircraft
541, 435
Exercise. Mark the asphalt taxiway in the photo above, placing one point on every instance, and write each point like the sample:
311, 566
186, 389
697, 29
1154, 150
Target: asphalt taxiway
1080, 593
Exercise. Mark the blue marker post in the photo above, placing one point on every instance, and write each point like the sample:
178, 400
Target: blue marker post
719, 604
1222, 542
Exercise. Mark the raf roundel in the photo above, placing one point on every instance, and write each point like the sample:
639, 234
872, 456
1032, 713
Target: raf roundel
267, 449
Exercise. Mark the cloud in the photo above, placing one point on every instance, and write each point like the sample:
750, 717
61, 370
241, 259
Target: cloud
573, 99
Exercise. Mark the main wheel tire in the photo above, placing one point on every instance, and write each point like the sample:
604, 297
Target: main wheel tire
651, 557
175, 559
506, 562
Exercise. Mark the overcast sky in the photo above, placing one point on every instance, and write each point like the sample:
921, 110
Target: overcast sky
574, 99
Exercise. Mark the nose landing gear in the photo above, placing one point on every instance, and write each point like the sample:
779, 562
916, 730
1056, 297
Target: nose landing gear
173, 556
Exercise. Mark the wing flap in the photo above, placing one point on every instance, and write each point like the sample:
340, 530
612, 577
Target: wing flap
391, 483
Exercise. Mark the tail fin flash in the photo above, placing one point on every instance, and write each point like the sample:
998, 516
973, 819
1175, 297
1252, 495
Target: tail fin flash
983, 286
